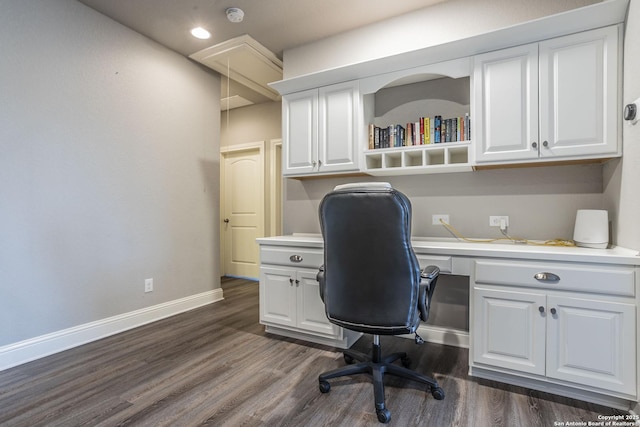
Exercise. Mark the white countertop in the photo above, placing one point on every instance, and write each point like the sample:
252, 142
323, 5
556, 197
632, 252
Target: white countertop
454, 247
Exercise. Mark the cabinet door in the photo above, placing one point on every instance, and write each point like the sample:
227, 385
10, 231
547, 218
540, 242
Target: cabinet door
579, 94
509, 330
592, 343
300, 132
506, 105
311, 313
278, 296
338, 127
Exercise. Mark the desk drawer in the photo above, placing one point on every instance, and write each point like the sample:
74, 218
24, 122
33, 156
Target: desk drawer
592, 278
442, 262
290, 256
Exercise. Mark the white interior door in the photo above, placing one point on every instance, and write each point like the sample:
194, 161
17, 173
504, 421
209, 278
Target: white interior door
242, 212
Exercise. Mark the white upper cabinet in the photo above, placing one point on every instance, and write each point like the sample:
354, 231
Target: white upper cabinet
553, 100
579, 94
321, 130
506, 104
544, 91
300, 132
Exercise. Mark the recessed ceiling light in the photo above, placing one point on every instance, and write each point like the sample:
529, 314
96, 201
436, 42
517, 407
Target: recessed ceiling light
200, 33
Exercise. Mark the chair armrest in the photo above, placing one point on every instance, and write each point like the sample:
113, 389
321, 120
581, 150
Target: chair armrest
428, 279
320, 279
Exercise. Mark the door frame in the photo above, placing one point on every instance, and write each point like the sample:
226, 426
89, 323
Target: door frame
235, 149
275, 203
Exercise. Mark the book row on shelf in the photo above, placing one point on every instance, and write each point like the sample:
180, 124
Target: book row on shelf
427, 130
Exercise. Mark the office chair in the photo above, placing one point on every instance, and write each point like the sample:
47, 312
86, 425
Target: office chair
371, 280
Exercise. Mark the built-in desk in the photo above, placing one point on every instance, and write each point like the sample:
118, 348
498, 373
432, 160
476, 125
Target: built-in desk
557, 319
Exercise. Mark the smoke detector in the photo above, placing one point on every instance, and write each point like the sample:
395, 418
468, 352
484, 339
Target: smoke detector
235, 14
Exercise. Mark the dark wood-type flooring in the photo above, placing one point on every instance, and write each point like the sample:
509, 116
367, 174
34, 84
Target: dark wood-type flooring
216, 366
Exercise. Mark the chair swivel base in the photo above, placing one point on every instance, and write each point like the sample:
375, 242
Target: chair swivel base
378, 366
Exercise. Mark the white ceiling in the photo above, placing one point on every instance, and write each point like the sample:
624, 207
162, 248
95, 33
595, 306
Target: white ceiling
276, 24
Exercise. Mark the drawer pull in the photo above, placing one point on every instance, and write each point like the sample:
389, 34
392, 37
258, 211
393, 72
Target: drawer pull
295, 258
546, 277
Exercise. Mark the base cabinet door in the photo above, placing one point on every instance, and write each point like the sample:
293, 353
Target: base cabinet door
311, 313
278, 296
509, 330
588, 342
290, 297
592, 343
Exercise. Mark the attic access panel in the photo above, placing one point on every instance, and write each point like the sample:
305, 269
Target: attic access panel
246, 61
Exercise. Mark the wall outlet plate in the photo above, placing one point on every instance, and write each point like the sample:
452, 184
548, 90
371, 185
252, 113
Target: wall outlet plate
148, 285
435, 219
495, 221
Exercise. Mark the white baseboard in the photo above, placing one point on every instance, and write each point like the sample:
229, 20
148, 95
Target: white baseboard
35, 348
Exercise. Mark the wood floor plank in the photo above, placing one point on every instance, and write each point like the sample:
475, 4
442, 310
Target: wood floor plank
215, 366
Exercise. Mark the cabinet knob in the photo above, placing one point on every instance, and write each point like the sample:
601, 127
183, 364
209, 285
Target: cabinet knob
546, 277
534, 144
313, 163
319, 163
226, 220
541, 309
553, 311
297, 283
295, 258
545, 143
290, 281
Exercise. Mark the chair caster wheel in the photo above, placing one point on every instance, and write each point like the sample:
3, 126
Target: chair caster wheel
348, 359
406, 362
384, 415
325, 387
437, 393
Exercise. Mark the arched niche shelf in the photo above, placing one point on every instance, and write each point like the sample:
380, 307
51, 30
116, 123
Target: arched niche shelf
454, 69
400, 99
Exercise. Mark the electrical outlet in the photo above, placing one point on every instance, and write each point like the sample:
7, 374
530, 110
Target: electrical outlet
435, 219
148, 285
495, 221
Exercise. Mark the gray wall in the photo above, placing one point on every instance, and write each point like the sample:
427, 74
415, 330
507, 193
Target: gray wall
432, 26
621, 177
541, 201
261, 122
108, 170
